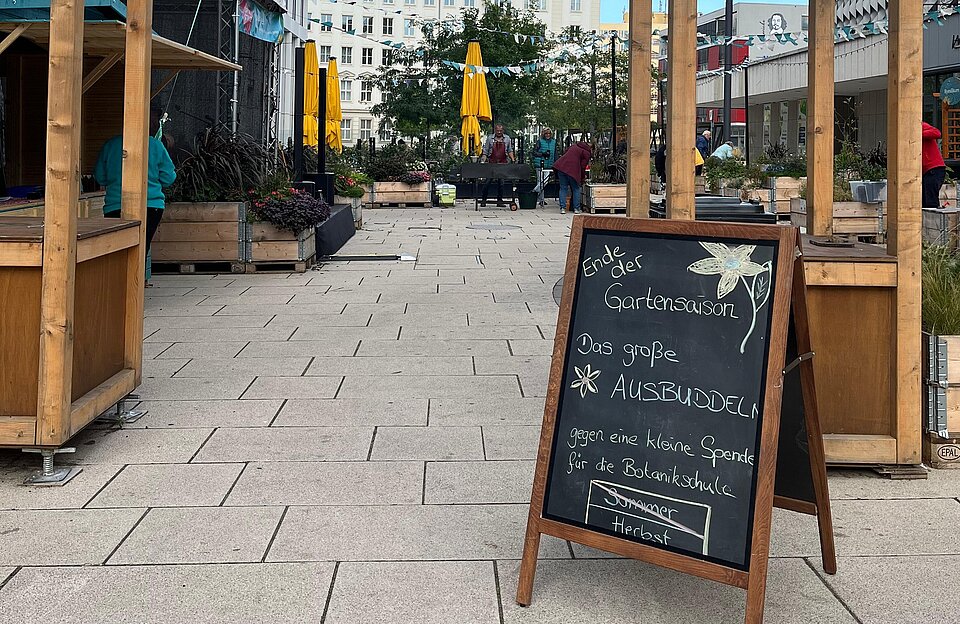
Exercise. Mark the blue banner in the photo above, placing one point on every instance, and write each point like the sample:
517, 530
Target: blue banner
260, 23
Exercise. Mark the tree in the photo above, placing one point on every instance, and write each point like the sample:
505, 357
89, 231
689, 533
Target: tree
421, 93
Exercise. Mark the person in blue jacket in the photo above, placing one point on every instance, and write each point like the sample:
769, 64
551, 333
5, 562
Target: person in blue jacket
160, 174
544, 155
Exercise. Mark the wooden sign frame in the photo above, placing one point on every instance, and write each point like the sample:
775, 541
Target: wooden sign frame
788, 269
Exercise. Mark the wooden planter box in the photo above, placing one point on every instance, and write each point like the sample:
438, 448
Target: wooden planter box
268, 247
200, 232
852, 218
605, 197
941, 226
387, 193
941, 376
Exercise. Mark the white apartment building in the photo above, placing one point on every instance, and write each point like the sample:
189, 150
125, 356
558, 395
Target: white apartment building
359, 57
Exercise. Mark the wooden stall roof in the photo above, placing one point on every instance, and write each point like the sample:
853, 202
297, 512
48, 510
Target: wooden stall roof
109, 38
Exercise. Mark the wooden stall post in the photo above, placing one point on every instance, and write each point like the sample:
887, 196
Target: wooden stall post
820, 110
638, 163
904, 215
681, 108
136, 148
60, 220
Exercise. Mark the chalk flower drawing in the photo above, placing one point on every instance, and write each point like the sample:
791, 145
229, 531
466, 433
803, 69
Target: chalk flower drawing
585, 382
734, 265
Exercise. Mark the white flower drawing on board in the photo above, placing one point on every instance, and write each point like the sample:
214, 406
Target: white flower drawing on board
585, 380
734, 266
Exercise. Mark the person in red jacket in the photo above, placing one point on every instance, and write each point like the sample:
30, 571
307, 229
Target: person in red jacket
570, 170
934, 169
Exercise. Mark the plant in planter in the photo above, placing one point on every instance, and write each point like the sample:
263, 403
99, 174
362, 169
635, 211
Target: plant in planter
607, 187
399, 178
718, 171
940, 303
283, 222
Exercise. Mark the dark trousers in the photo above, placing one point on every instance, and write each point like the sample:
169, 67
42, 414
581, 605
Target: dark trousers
932, 181
486, 189
698, 170
153, 220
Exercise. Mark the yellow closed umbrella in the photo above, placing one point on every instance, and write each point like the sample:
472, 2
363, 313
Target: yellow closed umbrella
475, 101
311, 95
334, 113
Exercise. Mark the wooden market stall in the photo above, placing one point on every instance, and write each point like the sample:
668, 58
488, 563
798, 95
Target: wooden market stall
71, 315
864, 300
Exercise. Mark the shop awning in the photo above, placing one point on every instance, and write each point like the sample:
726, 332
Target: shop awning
108, 39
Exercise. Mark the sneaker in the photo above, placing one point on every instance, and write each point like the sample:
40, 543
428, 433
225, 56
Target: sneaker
563, 211
576, 211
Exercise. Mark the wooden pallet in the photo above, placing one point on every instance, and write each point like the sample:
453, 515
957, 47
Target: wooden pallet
606, 210
410, 204
159, 268
298, 266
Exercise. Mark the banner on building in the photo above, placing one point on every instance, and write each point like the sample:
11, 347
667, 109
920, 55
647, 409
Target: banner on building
260, 23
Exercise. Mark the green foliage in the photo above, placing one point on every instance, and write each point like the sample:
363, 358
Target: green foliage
941, 290
715, 170
780, 162
419, 92
391, 162
221, 167
607, 167
290, 209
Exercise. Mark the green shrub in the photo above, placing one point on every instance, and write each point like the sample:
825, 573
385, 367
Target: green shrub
941, 290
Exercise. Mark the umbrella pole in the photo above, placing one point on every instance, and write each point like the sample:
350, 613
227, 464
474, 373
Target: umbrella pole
322, 119
299, 77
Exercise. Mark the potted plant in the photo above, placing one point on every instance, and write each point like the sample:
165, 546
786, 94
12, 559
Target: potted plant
606, 190
352, 187
398, 178
205, 217
941, 327
784, 173
282, 226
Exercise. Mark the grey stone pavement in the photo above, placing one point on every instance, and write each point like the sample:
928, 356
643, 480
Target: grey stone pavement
356, 444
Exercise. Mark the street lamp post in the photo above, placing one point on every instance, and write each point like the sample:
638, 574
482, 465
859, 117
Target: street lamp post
613, 91
727, 66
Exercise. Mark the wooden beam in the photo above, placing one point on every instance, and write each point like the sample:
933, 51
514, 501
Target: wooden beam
820, 78
60, 221
105, 64
170, 77
904, 215
133, 194
638, 163
13, 36
681, 108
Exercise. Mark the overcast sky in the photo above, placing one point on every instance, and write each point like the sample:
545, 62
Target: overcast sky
612, 10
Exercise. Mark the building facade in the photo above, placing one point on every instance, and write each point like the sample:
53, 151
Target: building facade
622, 29
359, 56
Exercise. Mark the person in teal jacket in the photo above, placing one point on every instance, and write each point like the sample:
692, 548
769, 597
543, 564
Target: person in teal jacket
160, 174
544, 155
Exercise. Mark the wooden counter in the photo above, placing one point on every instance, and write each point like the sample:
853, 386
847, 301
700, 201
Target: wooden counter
851, 299
90, 205
99, 376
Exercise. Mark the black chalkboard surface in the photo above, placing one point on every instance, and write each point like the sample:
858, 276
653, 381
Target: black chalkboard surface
661, 400
794, 475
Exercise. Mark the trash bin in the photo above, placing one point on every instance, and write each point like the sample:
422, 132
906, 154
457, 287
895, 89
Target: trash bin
528, 200
446, 194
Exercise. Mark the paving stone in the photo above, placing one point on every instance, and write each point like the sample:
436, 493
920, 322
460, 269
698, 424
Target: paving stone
891, 590
321, 320
531, 347
419, 319
163, 368
62, 537
299, 348
414, 593
280, 308
338, 296
135, 446
534, 384
337, 366
169, 485
417, 348
426, 386
195, 389
511, 442
244, 300
280, 289
200, 535
478, 482
408, 279
189, 350
288, 444
456, 303
223, 334
439, 443
245, 367
167, 309
214, 413
482, 411
346, 334
878, 528
212, 322
329, 483
293, 387
516, 365
352, 412
213, 594
488, 332
866, 484
366, 309
15, 495
153, 349
606, 592
407, 533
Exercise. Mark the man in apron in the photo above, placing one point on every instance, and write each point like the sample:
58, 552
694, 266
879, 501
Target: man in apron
497, 149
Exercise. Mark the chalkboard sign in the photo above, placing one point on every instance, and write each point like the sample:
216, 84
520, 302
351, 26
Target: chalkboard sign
660, 428
794, 477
